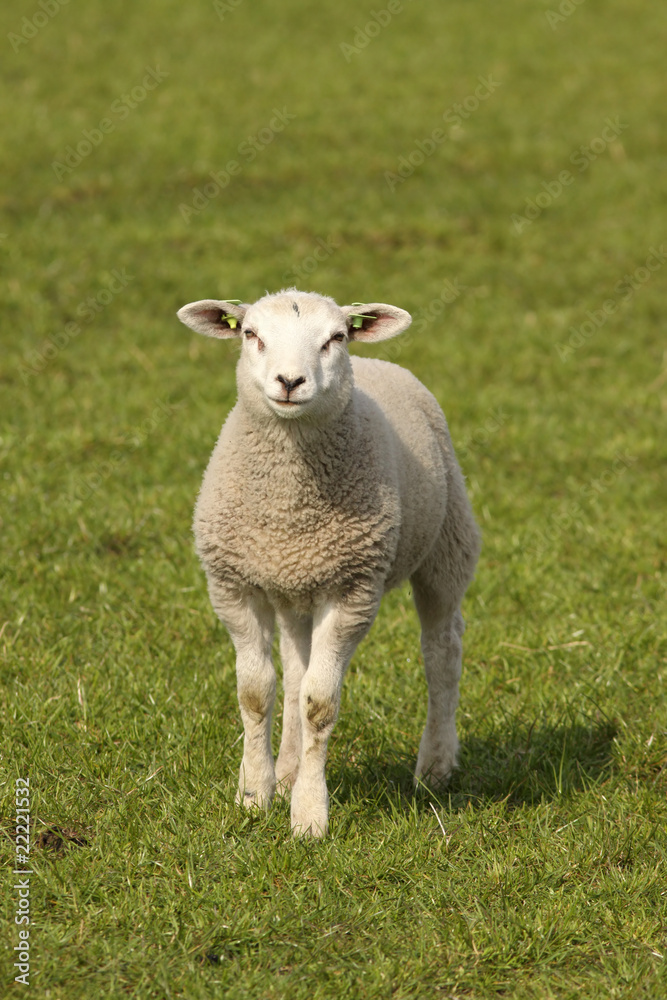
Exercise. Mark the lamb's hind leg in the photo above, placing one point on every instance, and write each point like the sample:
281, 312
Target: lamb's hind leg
295, 639
442, 628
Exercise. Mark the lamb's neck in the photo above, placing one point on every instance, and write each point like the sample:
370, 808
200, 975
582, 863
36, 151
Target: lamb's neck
323, 451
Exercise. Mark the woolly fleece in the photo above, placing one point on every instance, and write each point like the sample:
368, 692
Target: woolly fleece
313, 520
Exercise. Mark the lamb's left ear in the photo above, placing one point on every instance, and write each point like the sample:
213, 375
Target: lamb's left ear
213, 317
371, 321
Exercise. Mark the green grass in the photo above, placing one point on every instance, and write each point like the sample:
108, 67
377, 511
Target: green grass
541, 872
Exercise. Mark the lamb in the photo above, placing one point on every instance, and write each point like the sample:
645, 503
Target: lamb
333, 480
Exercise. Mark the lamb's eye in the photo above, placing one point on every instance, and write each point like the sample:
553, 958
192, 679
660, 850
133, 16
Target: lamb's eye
251, 335
338, 337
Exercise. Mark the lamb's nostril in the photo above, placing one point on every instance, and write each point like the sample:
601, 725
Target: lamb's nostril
290, 383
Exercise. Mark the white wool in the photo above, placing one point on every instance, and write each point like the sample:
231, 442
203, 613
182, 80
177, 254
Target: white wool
333, 479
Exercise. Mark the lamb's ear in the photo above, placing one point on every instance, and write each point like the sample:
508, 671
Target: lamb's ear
371, 321
213, 317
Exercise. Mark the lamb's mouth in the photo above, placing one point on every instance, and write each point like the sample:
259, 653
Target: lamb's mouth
289, 402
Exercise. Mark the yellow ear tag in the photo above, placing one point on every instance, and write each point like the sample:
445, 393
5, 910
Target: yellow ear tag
358, 319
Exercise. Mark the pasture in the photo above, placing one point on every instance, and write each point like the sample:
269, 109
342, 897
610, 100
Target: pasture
498, 171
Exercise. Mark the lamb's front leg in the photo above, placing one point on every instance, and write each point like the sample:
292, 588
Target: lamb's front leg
250, 622
337, 630
295, 637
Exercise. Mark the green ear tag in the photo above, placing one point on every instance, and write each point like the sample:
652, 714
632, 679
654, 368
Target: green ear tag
358, 318
231, 320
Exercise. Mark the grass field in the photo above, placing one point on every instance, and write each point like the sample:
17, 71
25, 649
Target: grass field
499, 171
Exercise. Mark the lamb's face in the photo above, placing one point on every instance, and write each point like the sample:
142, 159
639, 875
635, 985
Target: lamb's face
294, 361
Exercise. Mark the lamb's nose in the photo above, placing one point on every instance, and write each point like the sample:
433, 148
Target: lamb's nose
290, 383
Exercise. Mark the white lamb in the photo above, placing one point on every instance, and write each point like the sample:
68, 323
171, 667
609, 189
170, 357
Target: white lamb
333, 479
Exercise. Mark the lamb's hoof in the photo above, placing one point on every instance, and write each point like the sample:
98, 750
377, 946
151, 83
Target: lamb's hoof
310, 828
436, 760
252, 799
284, 789
286, 779
310, 818
432, 781
434, 774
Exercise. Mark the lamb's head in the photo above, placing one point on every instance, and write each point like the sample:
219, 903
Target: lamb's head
294, 362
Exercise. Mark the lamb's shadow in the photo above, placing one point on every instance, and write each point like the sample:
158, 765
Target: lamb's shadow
523, 766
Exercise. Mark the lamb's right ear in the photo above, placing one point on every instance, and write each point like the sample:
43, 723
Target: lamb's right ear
373, 321
213, 317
